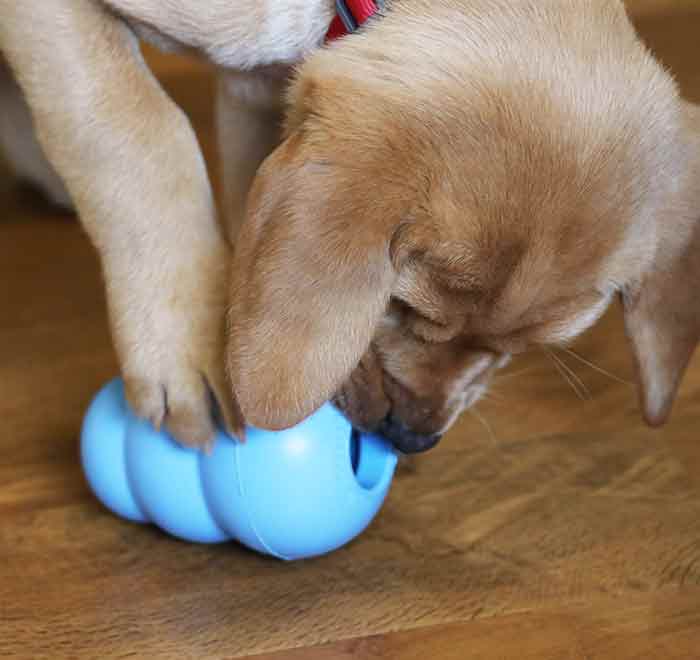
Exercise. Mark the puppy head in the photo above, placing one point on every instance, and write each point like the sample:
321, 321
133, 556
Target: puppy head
441, 203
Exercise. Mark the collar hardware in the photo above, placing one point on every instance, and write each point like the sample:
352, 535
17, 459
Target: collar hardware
350, 15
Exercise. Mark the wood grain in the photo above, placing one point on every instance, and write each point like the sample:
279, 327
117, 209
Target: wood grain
563, 530
663, 627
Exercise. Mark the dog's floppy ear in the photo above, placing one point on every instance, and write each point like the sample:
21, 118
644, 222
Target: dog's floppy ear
662, 309
311, 278
662, 318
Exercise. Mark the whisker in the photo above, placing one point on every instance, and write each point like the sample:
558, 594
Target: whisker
576, 377
482, 420
491, 395
597, 368
563, 373
507, 376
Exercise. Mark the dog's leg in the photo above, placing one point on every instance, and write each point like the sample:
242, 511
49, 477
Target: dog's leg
132, 165
18, 143
249, 122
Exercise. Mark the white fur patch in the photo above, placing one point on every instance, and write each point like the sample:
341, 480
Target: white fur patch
574, 327
236, 34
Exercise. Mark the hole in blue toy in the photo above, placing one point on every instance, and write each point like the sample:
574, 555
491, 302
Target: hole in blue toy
368, 459
355, 450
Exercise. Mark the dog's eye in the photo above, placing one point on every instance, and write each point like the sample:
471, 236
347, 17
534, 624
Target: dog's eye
431, 333
426, 315
399, 308
422, 327
511, 344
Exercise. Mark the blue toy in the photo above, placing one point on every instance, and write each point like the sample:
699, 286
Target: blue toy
291, 494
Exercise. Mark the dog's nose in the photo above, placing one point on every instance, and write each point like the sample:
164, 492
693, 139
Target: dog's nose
406, 440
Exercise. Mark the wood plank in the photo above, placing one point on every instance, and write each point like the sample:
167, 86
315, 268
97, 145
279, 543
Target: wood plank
562, 529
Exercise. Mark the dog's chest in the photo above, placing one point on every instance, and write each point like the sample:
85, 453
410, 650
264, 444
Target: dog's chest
237, 34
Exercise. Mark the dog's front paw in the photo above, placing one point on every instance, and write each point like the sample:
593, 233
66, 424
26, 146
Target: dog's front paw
170, 339
182, 400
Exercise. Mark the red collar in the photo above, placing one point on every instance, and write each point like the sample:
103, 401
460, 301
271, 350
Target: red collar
350, 15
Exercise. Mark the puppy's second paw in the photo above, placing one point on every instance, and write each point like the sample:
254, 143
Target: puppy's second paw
189, 401
182, 403
169, 335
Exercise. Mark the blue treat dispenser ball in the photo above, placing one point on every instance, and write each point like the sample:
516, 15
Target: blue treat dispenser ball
297, 493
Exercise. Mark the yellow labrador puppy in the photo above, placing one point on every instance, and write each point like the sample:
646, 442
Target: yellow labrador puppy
458, 181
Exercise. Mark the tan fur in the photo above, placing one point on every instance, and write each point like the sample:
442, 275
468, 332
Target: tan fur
458, 182
446, 200
19, 145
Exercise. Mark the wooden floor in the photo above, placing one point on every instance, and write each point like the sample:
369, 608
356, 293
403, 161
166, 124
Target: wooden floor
549, 527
